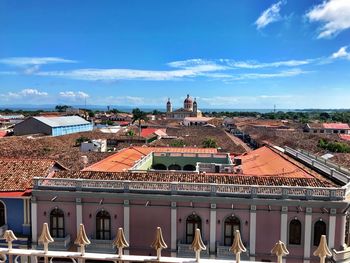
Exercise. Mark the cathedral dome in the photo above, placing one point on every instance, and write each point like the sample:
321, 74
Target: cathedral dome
188, 99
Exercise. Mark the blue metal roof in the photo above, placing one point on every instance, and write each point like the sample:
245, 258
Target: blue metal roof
62, 121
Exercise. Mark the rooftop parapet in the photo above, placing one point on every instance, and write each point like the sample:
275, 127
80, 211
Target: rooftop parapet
197, 189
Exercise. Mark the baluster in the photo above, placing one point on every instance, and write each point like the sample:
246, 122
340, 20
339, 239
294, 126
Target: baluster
9, 236
322, 250
197, 244
280, 250
158, 244
82, 239
45, 238
237, 246
120, 241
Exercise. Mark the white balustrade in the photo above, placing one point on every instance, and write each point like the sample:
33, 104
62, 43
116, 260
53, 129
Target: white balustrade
11, 254
278, 192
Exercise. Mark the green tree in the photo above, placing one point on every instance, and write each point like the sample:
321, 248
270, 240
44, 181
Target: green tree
61, 108
177, 143
130, 133
210, 143
138, 116
80, 140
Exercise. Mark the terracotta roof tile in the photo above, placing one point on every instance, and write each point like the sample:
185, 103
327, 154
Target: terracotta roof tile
17, 174
127, 157
267, 162
336, 126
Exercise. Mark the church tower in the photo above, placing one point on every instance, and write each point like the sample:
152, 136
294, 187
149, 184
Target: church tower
188, 103
169, 107
195, 107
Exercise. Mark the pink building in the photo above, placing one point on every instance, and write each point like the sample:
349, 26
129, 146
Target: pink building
267, 194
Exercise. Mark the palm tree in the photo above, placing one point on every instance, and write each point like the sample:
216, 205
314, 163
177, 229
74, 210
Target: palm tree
210, 143
139, 115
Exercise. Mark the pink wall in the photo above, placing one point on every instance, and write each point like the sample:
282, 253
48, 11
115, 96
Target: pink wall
69, 216
143, 224
268, 228
202, 210
242, 213
338, 228
115, 211
296, 252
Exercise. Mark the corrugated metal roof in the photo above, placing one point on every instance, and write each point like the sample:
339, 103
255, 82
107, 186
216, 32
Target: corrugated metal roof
62, 121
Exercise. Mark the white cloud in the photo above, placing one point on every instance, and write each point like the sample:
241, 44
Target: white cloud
270, 15
125, 74
341, 53
241, 101
256, 65
73, 95
33, 61
281, 74
334, 14
25, 93
30, 65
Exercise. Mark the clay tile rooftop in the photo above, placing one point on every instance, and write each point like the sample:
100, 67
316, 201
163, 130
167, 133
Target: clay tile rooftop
340, 126
16, 175
127, 157
268, 162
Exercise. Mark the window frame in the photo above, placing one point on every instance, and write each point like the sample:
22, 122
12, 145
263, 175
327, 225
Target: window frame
314, 243
100, 218
192, 219
55, 215
232, 224
290, 229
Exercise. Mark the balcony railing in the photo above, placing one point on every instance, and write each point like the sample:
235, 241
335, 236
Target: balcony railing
3, 228
200, 189
120, 242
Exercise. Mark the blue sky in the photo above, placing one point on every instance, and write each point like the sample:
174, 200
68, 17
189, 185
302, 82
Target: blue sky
226, 53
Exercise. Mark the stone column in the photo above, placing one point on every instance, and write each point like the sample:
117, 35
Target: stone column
331, 232
212, 235
127, 223
342, 229
284, 226
173, 228
252, 232
34, 220
79, 212
307, 234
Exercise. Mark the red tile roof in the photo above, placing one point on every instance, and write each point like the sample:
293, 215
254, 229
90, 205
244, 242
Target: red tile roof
127, 157
147, 132
16, 175
3, 133
336, 126
345, 137
267, 162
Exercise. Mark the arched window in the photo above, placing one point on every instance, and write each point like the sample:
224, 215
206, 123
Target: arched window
159, 166
174, 167
189, 167
231, 224
57, 223
103, 225
2, 214
295, 232
192, 223
320, 229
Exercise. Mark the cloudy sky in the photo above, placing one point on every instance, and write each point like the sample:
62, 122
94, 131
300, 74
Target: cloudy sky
227, 54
